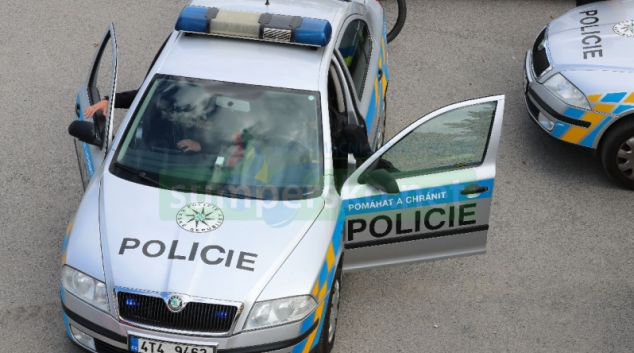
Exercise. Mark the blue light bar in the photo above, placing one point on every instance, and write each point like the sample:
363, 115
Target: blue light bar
313, 32
192, 19
252, 25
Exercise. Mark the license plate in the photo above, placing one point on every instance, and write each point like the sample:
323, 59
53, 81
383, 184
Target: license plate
143, 345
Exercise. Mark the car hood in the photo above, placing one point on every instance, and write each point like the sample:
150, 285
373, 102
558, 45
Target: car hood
145, 249
585, 37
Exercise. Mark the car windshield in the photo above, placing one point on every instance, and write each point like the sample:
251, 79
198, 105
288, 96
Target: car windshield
222, 138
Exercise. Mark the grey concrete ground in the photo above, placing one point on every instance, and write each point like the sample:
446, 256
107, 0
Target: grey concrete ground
558, 273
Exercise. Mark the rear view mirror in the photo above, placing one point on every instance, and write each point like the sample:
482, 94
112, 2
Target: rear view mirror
381, 179
85, 131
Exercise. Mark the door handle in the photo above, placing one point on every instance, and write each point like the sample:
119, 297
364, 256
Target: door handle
380, 74
478, 190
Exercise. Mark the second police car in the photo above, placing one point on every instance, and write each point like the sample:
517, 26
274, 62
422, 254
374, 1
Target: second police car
580, 82
240, 246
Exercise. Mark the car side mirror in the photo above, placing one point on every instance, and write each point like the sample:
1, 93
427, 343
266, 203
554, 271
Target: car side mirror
85, 131
382, 179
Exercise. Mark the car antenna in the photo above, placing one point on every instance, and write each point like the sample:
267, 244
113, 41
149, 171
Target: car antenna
267, 4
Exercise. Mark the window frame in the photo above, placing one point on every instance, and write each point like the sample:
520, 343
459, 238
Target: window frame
370, 39
436, 170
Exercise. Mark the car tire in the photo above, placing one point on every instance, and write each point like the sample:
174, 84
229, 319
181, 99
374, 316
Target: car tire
617, 153
328, 331
586, 2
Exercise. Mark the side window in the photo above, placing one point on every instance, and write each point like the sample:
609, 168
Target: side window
454, 139
356, 48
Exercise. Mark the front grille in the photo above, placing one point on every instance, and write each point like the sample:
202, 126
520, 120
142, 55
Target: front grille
195, 317
540, 55
103, 347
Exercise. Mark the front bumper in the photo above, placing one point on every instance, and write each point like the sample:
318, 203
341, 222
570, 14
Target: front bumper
111, 336
570, 122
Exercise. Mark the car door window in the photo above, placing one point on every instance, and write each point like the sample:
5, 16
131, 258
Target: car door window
455, 139
356, 49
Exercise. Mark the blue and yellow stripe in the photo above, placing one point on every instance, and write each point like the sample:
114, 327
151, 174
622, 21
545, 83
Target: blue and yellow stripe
377, 99
321, 290
604, 108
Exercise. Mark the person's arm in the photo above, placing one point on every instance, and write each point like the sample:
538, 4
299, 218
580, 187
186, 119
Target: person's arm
121, 100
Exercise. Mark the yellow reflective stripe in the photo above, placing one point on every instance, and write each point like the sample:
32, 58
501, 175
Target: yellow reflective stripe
311, 338
377, 99
316, 289
594, 97
330, 257
577, 133
629, 99
604, 108
70, 226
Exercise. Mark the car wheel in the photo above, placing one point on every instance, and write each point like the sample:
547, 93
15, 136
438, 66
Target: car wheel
617, 153
586, 2
329, 329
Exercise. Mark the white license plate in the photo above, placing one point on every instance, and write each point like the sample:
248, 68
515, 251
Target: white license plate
143, 345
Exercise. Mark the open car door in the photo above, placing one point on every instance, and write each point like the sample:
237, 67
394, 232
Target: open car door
426, 194
94, 134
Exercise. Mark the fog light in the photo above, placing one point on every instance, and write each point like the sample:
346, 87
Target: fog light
82, 338
546, 122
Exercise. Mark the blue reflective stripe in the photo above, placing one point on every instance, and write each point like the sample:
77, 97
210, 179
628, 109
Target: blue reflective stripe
588, 141
193, 19
560, 129
613, 97
416, 198
574, 113
622, 108
67, 325
369, 117
323, 318
90, 167
337, 235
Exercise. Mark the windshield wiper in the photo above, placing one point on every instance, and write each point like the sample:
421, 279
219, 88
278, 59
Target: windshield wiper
226, 193
141, 174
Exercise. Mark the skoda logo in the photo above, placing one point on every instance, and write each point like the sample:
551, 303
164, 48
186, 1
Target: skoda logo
175, 303
200, 217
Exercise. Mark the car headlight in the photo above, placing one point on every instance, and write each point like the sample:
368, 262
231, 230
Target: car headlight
566, 91
279, 312
85, 288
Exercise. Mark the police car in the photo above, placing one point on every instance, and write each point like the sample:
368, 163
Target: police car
240, 245
580, 83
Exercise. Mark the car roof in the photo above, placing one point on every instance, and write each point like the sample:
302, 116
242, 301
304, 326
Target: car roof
250, 61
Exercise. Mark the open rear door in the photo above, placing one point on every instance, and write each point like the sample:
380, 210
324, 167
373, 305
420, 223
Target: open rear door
101, 82
437, 189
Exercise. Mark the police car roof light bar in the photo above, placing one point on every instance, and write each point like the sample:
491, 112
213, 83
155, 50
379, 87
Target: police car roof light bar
254, 25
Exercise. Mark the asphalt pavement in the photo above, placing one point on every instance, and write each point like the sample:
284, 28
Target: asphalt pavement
558, 273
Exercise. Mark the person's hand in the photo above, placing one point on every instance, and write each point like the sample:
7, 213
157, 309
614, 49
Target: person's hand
90, 111
188, 145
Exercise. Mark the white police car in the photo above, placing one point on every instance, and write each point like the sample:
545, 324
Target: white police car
580, 83
238, 245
